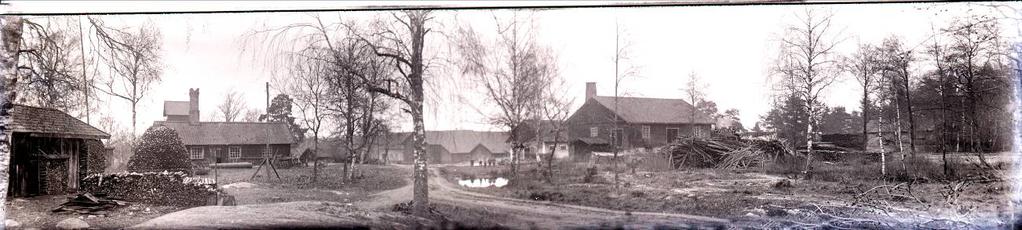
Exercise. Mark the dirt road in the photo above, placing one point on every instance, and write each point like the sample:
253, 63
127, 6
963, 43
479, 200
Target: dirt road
531, 214
524, 214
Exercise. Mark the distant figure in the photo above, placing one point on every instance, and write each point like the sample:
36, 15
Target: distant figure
471, 163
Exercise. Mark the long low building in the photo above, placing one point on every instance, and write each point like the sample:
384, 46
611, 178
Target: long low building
450, 146
225, 141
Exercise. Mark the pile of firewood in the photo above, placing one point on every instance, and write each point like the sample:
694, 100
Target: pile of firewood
727, 152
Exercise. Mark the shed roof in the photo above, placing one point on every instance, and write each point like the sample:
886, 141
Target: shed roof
654, 110
29, 119
171, 108
231, 133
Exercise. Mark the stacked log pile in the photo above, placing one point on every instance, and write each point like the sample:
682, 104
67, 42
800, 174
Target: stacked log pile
726, 152
163, 188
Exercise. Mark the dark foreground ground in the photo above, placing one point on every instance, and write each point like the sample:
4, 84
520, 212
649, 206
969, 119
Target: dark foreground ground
843, 194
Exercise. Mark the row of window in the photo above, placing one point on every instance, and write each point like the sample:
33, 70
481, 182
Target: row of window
233, 152
595, 131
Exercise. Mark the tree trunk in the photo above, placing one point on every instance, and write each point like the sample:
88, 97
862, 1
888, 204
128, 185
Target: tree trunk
865, 117
10, 36
975, 127
420, 193
883, 151
911, 114
315, 157
809, 138
420, 190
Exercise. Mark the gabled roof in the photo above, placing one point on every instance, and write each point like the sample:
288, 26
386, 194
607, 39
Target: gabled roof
171, 108
528, 131
28, 119
654, 110
231, 133
463, 141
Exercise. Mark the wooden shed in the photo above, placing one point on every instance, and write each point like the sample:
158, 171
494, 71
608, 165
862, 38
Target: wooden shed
50, 151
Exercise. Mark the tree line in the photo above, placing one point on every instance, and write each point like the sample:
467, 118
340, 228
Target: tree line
948, 93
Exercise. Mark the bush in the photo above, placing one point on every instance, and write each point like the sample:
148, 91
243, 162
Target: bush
163, 188
159, 149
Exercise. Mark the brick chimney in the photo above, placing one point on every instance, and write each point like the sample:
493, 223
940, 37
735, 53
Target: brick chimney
590, 90
193, 106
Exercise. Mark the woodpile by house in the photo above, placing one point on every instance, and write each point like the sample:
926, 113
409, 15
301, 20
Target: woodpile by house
725, 151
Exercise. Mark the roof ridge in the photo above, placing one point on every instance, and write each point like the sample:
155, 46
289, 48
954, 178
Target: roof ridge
38, 107
656, 98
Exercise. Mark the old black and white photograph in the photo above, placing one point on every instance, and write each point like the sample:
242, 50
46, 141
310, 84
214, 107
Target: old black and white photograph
740, 114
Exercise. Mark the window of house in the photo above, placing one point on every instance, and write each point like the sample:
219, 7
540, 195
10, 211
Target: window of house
195, 153
618, 136
645, 132
234, 152
562, 147
594, 131
216, 152
673, 133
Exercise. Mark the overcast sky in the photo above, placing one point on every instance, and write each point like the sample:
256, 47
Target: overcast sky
730, 47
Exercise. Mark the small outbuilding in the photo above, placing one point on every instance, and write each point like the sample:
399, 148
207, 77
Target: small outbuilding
51, 151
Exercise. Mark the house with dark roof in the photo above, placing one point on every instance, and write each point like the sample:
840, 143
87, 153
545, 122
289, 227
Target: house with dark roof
452, 146
600, 125
225, 141
51, 151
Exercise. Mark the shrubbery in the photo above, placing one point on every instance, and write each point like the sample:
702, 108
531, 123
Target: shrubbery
163, 188
159, 149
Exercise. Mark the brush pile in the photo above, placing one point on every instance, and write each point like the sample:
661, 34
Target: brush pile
726, 152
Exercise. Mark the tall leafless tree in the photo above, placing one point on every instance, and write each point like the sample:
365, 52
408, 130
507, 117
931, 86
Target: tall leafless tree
231, 107
623, 70
808, 63
694, 91
974, 55
402, 41
513, 69
555, 108
864, 65
133, 57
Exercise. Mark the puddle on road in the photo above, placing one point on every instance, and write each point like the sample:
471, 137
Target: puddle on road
483, 183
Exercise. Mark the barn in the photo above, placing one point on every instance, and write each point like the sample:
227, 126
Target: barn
51, 151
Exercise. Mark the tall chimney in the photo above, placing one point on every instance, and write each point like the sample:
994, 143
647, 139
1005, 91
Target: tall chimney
590, 90
193, 106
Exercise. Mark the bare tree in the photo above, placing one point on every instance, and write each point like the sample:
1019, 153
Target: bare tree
513, 71
402, 41
864, 65
808, 63
694, 91
555, 109
133, 56
896, 61
51, 66
973, 57
623, 70
231, 107
251, 115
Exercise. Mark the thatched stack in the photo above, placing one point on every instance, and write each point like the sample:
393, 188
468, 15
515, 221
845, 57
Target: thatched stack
724, 152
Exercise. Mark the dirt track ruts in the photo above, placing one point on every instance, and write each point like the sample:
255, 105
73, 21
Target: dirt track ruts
528, 213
